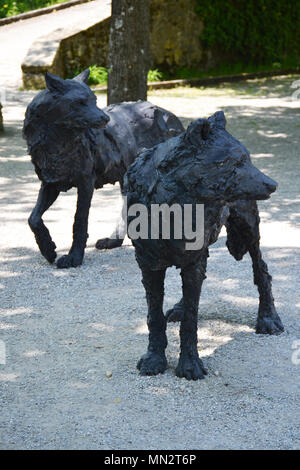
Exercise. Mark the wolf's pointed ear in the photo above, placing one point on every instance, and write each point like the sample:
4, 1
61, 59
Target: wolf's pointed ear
83, 76
198, 131
54, 83
218, 119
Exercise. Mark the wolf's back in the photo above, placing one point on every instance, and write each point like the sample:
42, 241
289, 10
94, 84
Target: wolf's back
133, 127
147, 123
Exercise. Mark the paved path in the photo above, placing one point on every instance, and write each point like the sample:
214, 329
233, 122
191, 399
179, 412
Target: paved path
16, 38
63, 330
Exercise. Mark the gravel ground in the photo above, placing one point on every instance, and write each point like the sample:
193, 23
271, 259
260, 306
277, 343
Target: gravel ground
65, 330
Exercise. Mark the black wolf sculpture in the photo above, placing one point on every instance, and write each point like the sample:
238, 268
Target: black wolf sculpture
204, 165
69, 147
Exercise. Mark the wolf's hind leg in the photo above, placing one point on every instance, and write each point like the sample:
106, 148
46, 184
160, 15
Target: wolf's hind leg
242, 236
75, 256
117, 237
190, 365
154, 361
176, 313
47, 195
109, 243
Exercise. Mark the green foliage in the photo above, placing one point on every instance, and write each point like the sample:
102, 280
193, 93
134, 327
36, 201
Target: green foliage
258, 31
155, 76
15, 7
234, 68
98, 75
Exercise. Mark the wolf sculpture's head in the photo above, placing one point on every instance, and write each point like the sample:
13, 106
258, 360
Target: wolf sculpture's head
204, 164
55, 126
67, 104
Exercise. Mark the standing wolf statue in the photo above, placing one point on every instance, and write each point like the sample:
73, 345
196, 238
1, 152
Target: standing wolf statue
204, 165
73, 143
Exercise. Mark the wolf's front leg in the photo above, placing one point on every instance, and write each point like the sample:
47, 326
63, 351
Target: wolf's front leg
47, 195
190, 365
74, 258
154, 361
268, 321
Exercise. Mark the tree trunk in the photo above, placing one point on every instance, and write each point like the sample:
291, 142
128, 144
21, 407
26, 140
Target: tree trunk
129, 51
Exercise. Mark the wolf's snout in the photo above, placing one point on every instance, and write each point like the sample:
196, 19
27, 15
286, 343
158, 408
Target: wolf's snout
106, 118
255, 183
101, 120
270, 184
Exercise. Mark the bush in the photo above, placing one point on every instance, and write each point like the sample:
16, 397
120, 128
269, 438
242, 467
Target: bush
15, 7
99, 75
155, 76
258, 31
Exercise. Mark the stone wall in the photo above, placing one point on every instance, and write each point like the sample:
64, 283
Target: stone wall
175, 34
83, 49
175, 42
67, 49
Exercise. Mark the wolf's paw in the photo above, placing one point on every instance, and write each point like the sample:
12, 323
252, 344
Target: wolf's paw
269, 325
47, 248
50, 256
108, 243
49, 252
176, 313
152, 363
190, 367
71, 260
